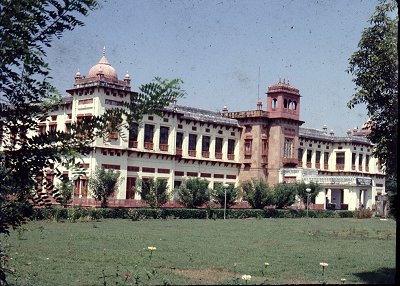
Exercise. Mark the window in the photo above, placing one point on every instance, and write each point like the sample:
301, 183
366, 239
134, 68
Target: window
264, 147
148, 133
130, 185
360, 159
285, 103
205, 146
340, 158
317, 157
309, 154
148, 136
274, 103
326, 160
218, 148
353, 161
231, 149
192, 144
179, 140
367, 163
133, 131
287, 148
300, 154
231, 146
164, 133
247, 149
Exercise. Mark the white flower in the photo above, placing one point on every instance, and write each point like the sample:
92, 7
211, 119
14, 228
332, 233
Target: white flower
343, 280
246, 277
151, 248
323, 264
266, 264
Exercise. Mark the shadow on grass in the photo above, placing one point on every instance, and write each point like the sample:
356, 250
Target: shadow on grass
381, 276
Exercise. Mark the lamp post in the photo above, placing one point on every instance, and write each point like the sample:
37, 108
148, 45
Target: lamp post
308, 190
225, 187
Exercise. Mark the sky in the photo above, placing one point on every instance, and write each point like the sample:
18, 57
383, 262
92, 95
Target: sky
227, 52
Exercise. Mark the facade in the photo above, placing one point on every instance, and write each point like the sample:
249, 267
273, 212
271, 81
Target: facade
222, 147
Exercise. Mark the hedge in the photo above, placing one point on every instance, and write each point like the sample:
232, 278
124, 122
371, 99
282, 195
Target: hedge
78, 213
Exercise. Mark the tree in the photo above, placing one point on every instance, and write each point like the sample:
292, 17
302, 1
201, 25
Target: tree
193, 192
219, 194
257, 193
302, 193
153, 191
102, 184
374, 67
64, 191
27, 29
284, 195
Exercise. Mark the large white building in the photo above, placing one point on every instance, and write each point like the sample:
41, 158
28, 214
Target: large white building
222, 147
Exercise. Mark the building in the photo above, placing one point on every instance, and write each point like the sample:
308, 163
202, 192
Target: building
222, 147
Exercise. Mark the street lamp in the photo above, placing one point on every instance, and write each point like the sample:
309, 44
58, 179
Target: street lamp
308, 190
225, 187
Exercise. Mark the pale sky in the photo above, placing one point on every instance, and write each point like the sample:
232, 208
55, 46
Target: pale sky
218, 47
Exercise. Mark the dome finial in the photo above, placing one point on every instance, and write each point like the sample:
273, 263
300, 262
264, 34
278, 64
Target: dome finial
104, 51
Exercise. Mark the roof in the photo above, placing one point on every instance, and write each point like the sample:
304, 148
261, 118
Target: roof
202, 115
322, 135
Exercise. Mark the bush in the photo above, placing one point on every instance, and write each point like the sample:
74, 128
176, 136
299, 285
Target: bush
218, 194
257, 193
193, 192
153, 191
363, 213
284, 195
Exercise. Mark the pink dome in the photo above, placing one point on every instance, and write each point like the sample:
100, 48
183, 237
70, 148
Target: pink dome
103, 67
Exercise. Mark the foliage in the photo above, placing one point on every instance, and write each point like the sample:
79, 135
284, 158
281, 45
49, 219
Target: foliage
154, 191
374, 67
193, 192
363, 213
65, 190
218, 194
257, 193
27, 97
302, 193
27, 28
102, 184
284, 195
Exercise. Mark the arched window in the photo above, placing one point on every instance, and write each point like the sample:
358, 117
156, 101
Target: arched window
274, 103
294, 105
285, 105
290, 104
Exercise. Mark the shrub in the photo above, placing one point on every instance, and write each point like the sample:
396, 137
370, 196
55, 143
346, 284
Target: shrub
363, 213
153, 191
257, 193
284, 195
218, 194
102, 184
193, 192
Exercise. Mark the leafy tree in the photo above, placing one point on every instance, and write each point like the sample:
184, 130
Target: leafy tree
153, 191
231, 194
257, 193
193, 192
102, 184
284, 195
27, 29
374, 67
302, 193
65, 191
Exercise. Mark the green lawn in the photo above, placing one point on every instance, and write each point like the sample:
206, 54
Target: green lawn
202, 251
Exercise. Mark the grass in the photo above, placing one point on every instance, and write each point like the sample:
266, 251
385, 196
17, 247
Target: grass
202, 252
